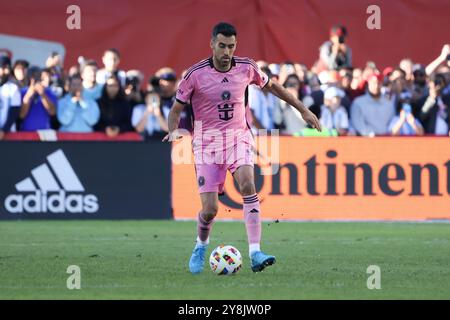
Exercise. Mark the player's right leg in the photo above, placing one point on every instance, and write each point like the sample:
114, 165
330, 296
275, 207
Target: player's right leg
204, 224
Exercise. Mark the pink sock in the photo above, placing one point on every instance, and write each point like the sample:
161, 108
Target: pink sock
203, 228
252, 221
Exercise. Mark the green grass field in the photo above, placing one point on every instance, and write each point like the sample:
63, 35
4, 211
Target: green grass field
148, 260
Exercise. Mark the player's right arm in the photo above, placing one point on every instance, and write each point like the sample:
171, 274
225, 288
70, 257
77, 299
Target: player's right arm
174, 120
183, 96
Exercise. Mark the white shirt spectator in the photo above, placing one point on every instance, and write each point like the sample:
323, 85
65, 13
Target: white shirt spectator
9, 97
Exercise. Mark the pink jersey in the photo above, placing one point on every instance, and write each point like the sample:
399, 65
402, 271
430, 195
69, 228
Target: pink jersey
219, 98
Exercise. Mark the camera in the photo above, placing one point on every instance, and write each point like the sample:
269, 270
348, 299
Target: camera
407, 108
341, 39
133, 82
34, 73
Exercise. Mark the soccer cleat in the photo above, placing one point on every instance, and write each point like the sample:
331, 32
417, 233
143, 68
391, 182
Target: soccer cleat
260, 260
197, 260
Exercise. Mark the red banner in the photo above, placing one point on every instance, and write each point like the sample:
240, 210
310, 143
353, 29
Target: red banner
152, 34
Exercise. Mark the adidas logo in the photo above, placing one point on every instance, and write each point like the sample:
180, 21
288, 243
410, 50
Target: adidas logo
254, 211
225, 80
46, 190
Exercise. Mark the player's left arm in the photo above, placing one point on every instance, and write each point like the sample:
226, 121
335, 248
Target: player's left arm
279, 91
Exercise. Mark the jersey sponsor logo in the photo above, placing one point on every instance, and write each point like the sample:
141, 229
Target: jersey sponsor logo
52, 187
226, 110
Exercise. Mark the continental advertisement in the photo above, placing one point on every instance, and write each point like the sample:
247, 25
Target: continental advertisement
349, 178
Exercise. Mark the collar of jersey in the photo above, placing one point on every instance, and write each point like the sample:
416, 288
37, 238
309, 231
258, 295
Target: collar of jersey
211, 64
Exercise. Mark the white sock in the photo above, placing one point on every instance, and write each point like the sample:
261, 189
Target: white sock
253, 247
201, 243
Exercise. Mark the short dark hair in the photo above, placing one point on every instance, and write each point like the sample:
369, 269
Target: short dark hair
22, 63
89, 62
47, 70
224, 28
403, 72
75, 76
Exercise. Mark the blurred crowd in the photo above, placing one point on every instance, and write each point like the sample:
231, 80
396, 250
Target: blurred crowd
405, 99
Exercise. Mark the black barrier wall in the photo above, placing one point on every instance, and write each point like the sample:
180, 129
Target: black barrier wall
85, 180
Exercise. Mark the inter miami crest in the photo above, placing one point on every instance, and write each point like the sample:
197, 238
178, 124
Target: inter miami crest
226, 110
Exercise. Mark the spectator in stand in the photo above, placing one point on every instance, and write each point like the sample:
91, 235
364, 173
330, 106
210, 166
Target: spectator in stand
10, 98
91, 89
334, 53
345, 79
419, 87
434, 108
147, 118
371, 113
333, 115
20, 71
398, 84
47, 83
55, 66
292, 120
404, 123
115, 110
75, 112
358, 84
111, 61
327, 79
264, 106
38, 104
133, 90
407, 66
165, 83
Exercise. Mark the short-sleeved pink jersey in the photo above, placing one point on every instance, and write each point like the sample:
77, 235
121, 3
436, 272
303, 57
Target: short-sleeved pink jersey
218, 98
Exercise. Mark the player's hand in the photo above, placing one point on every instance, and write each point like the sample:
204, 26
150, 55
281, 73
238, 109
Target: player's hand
172, 136
312, 120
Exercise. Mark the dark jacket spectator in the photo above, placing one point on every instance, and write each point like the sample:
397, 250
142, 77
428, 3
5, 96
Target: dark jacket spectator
115, 110
434, 108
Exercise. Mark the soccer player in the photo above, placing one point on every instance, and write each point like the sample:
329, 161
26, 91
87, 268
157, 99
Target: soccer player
217, 90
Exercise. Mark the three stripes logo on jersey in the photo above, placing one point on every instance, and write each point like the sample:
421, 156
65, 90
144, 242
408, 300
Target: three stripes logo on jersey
52, 187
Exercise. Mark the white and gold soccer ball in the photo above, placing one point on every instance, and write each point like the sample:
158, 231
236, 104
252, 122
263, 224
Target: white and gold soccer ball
225, 259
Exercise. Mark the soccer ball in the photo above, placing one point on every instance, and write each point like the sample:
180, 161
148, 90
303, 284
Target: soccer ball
225, 260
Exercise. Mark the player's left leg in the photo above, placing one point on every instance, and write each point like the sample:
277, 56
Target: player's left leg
245, 178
